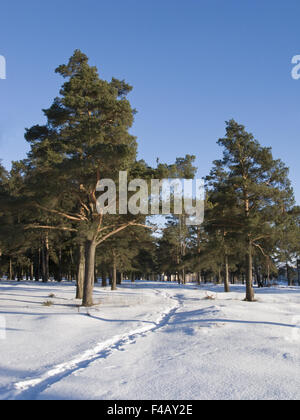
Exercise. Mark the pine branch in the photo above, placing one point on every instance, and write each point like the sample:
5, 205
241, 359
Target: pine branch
119, 229
77, 218
50, 227
261, 250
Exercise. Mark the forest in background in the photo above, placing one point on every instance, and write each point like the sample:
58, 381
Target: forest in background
50, 227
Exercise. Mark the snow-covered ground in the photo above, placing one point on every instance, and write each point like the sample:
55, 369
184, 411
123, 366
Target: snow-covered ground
149, 341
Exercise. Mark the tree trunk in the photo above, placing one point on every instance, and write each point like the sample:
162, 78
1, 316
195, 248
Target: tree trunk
226, 279
10, 269
45, 260
59, 274
19, 274
219, 276
199, 278
260, 281
290, 282
31, 272
80, 273
37, 266
183, 276
89, 273
249, 276
103, 279
119, 278
268, 273
114, 273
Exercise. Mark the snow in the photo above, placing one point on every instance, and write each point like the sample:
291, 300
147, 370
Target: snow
149, 340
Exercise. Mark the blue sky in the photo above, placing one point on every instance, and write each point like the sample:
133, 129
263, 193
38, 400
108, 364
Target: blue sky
194, 64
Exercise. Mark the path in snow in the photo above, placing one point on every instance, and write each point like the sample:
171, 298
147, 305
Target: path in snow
193, 348
31, 388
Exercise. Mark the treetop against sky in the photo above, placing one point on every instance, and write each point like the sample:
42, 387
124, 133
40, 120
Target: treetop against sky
193, 65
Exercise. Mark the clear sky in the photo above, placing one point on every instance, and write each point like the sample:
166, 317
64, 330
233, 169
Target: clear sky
194, 64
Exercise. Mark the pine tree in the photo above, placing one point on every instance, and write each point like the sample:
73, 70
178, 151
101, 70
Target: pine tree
86, 139
258, 191
287, 240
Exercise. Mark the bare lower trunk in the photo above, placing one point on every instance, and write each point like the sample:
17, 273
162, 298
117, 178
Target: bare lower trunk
59, 273
89, 275
289, 279
219, 276
31, 272
103, 280
249, 276
183, 276
114, 276
199, 278
10, 269
268, 273
37, 266
45, 260
119, 278
80, 273
226, 280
